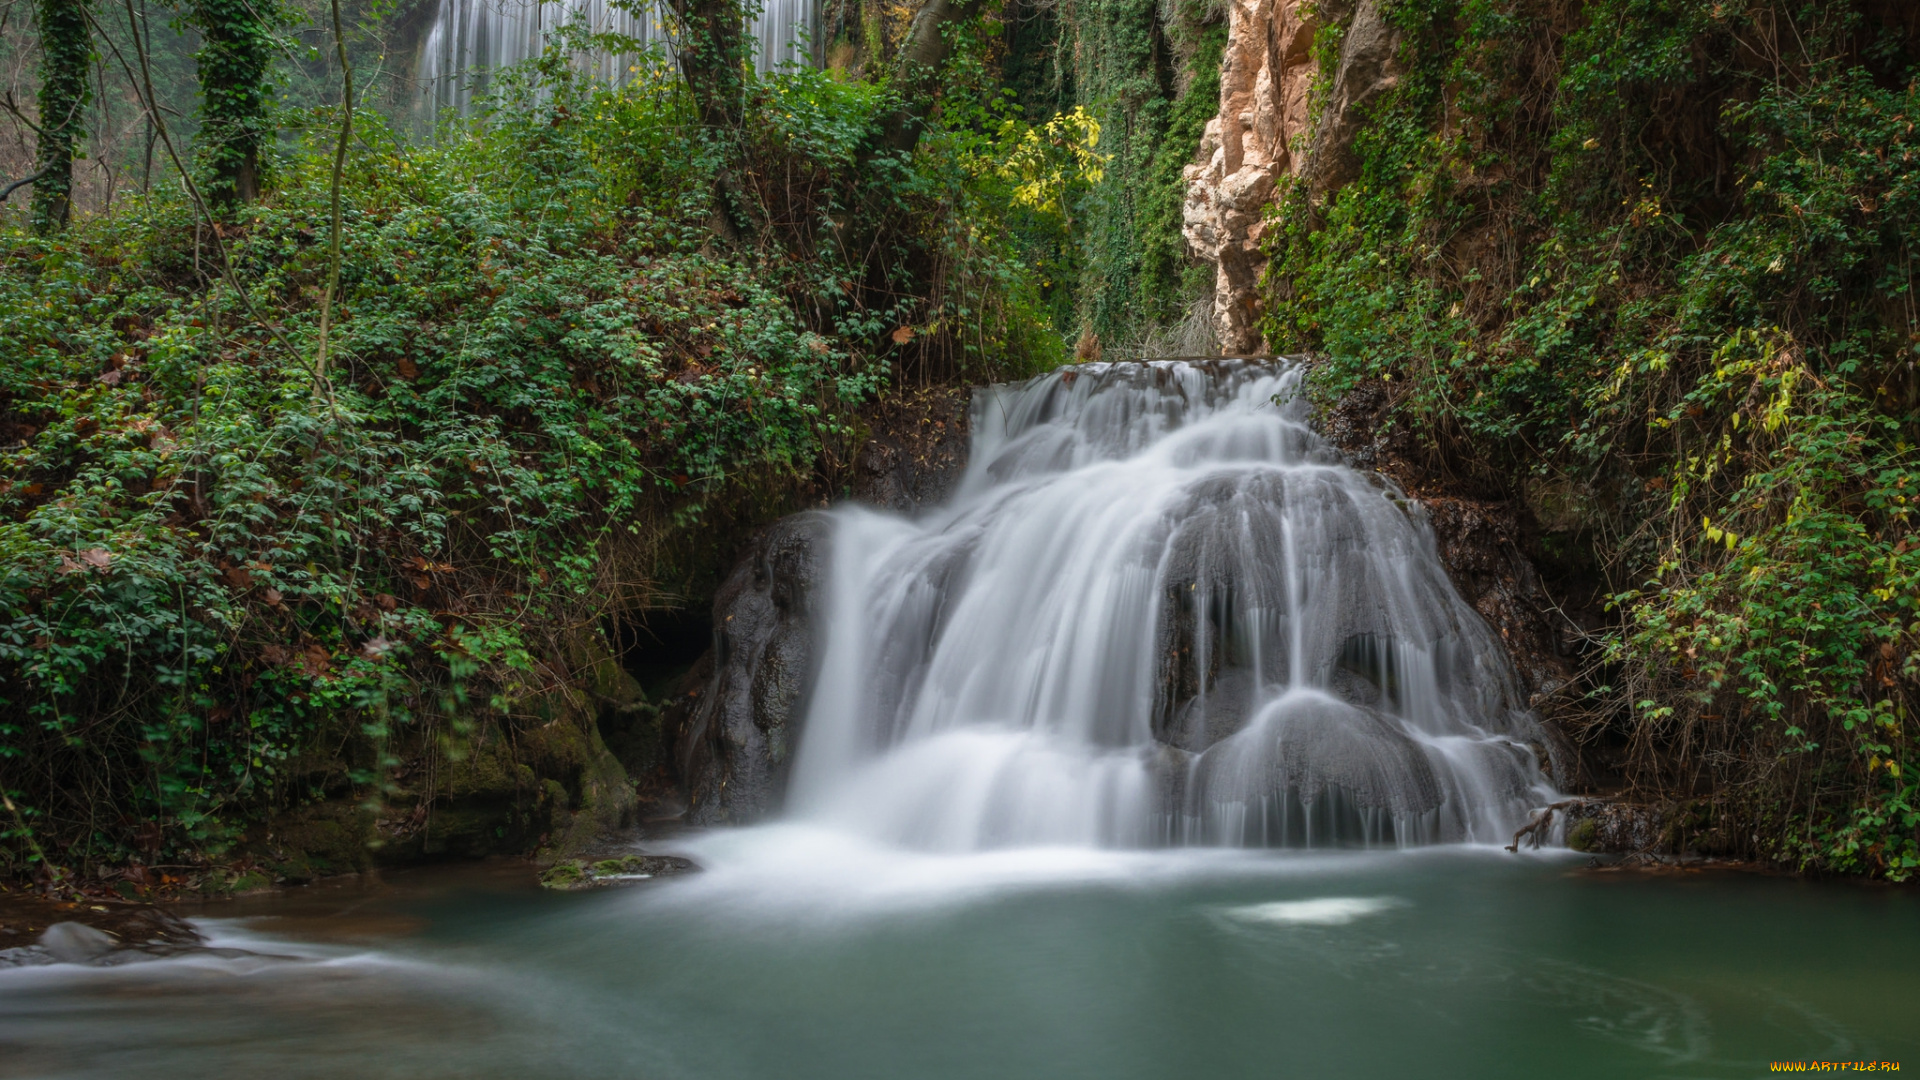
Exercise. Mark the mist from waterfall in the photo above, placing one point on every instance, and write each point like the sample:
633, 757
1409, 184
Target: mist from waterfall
471, 39
1159, 611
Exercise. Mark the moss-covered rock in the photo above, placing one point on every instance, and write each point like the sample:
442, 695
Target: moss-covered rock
1584, 835
542, 781
575, 874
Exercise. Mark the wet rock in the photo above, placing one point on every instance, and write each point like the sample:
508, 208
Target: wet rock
738, 736
734, 725
1606, 827
76, 943
578, 874
916, 449
138, 934
25, 956
1486, 545
1479, 541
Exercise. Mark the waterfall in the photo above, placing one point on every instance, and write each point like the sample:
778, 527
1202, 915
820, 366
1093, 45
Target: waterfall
1159, 610
470, 39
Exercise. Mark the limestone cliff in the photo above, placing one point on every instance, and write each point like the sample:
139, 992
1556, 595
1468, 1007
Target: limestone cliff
1265, 76
1267, 130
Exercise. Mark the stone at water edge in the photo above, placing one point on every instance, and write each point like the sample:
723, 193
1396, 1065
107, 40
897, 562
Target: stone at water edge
77, 943
577, 874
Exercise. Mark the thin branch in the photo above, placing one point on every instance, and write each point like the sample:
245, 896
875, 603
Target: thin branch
9, 104
144, 80
20, 183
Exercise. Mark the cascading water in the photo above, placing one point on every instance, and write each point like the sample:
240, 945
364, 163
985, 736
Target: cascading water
470, 39
1159, 610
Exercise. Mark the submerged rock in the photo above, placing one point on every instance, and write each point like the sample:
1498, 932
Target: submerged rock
109, 937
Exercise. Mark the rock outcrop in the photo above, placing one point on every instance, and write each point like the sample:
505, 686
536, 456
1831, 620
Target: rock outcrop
736, 726
1603, 826
1368, 68
736, 723
1489, 547
1266, 131
739, 733
916, 449
1264, 81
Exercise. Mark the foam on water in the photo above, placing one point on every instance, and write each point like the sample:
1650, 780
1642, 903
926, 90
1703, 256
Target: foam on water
1324, 911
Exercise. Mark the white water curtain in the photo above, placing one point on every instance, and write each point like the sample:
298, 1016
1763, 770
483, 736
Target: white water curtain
470, 39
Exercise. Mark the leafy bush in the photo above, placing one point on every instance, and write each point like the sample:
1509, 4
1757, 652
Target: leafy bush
231, 580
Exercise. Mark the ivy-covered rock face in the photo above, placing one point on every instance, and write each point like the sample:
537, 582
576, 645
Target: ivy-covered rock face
1646, 268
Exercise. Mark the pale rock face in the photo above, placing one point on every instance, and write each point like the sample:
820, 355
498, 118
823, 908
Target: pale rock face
1248, 147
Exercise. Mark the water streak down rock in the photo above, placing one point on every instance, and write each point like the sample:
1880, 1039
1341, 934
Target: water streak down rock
1158, 610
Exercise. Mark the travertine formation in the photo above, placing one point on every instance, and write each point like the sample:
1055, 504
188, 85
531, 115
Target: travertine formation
1264, 81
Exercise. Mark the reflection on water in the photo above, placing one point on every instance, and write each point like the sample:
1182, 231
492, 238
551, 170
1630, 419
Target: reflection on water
1034, 964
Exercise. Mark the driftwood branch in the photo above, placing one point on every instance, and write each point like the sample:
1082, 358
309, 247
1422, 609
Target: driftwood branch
1535, 831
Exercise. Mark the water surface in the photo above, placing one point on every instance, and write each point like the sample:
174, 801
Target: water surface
801, 956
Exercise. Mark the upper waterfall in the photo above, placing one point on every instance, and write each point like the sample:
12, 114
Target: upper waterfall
470, 39
1159, 610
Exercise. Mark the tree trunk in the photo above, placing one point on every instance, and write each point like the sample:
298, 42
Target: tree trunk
917, 73
235, 57
66, 52
712, 52
713, 56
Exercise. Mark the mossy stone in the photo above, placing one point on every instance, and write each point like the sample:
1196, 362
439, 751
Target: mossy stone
1584, 836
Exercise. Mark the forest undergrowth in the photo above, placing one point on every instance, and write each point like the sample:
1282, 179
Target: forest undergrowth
248, 563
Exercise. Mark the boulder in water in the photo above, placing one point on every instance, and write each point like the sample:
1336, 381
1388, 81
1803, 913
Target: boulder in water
577, 874
77, 943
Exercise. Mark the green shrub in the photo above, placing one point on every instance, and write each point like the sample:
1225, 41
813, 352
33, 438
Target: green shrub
230, 581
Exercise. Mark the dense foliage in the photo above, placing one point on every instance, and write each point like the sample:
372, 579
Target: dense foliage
1655, 260
219, 562
1148, 73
